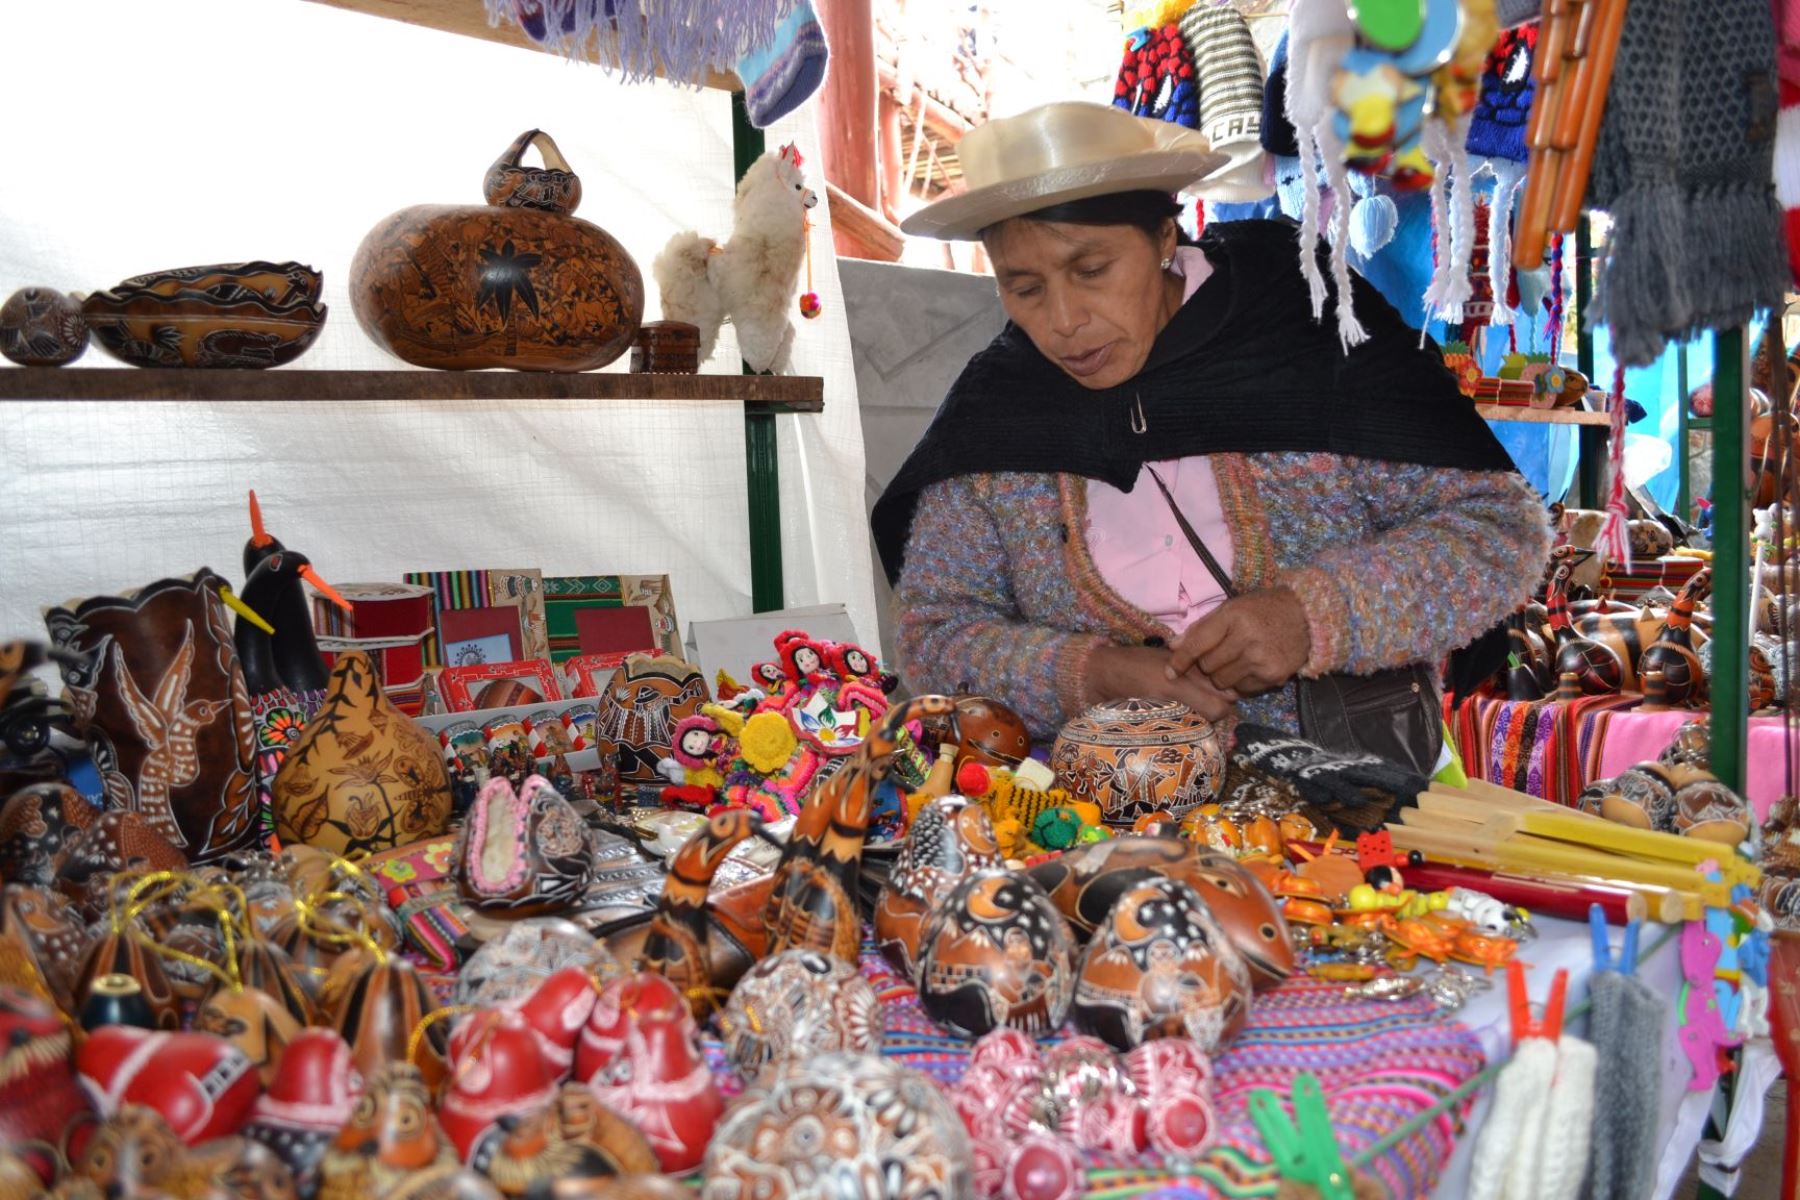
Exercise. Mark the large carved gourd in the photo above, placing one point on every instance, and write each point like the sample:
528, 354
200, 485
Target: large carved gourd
363, 776
518, 282
154, 680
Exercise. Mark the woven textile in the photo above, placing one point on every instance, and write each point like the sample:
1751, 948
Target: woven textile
1539, 747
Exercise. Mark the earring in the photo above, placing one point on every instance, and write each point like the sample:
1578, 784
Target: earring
1167, 263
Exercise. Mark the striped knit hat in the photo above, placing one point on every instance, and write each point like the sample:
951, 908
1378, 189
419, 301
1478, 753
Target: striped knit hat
1229, 73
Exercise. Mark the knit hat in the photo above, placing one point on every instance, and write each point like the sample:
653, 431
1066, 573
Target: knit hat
1685, 167
1319, 35
1230, 76
1277, 131
1156, 79
1497, 134
782, 75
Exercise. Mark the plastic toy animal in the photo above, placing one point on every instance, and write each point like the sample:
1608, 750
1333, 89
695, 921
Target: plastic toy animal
749, 279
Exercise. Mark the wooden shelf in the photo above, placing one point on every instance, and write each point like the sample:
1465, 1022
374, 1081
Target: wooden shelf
758, 393
469, 19
1542, 416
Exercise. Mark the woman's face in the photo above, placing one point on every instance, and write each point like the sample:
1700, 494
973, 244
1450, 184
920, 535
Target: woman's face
1091, 298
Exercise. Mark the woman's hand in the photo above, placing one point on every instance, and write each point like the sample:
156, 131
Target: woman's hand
1141, 672
1252, 644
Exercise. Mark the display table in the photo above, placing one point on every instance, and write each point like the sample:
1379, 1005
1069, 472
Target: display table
1554, 749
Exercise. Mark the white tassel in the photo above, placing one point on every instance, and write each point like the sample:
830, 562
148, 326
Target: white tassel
1508, 177
1350, 330
1309, 224
1568, 1122
1514, 1124
1462, 220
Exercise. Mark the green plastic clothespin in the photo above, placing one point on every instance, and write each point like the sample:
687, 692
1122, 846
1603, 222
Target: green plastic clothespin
1308, 1154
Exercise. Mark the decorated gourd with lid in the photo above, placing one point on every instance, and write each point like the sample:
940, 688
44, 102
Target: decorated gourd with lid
517, 282
1134, 757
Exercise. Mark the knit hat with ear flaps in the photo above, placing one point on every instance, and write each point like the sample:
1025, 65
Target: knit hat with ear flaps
1497, 134
1685, 168
1229, 73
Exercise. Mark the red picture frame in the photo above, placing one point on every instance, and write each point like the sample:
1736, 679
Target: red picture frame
473, 688
586, 675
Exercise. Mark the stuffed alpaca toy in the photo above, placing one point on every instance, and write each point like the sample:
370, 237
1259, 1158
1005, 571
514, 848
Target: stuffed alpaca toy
748, 280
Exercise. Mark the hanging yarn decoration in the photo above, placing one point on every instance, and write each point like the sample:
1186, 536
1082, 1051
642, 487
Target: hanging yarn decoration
1615, 538
809, 299
661, 38
1555, 331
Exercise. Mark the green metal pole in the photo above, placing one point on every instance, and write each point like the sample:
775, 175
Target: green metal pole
1590, 461
1684, 500
762, 460
1731, 560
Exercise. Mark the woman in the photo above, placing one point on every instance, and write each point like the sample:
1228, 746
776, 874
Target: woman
1363, 511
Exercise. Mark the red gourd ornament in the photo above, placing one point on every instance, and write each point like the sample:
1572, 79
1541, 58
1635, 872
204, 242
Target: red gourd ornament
642, 1049
202, 1085
496, 1072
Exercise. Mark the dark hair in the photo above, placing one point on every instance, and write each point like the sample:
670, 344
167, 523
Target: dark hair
1143, 210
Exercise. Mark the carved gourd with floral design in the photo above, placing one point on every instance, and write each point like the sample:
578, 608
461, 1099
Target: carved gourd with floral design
363, 777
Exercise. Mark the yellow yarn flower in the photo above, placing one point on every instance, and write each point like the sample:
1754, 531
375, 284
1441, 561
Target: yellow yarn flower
767, 742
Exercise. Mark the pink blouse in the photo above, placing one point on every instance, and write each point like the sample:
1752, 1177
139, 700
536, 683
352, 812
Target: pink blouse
1137, 545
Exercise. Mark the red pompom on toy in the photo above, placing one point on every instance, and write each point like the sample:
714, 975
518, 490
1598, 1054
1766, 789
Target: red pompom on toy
809, 305
973, 779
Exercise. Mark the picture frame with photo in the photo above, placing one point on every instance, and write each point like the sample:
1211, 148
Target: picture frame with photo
565, 597
518, 588
498, 685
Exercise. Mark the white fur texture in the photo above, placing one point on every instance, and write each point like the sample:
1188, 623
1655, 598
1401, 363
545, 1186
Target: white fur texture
750, 279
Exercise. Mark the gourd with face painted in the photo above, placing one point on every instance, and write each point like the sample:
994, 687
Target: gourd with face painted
996, 953
1162, 966
392, 1148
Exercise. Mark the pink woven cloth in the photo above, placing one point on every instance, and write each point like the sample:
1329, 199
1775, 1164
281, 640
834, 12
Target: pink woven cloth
1635, 737
1136, 543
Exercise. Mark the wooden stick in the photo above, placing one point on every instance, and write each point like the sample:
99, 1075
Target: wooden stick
1571, 184
1642, 843
1551, 860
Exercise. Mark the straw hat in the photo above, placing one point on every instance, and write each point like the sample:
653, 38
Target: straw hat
1061, 152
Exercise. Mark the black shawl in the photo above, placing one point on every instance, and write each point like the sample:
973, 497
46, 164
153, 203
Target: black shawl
1242, 367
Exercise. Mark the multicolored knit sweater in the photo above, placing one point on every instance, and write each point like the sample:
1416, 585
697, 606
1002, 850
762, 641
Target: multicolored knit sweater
1394, 563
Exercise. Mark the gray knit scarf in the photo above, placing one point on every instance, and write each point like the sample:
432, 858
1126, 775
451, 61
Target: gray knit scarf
1685, 167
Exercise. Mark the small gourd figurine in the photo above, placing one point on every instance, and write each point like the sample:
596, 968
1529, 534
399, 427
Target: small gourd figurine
392, 1147
1672, 655
1597, 668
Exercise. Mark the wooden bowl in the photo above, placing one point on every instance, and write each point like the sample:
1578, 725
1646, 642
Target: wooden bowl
199, 329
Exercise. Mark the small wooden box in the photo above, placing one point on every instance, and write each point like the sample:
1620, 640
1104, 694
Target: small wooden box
666, 348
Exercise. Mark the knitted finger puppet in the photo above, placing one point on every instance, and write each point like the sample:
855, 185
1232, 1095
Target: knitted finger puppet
1509, 1152
750, 278
1626, 1016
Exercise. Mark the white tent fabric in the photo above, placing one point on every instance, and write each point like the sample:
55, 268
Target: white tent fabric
167, 134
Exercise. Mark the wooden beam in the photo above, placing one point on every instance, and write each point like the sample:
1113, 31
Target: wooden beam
847, 110
779, 393
468, 18
944, 122
858, 231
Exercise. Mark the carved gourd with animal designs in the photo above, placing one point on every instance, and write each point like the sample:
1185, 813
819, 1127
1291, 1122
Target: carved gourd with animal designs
154, 680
